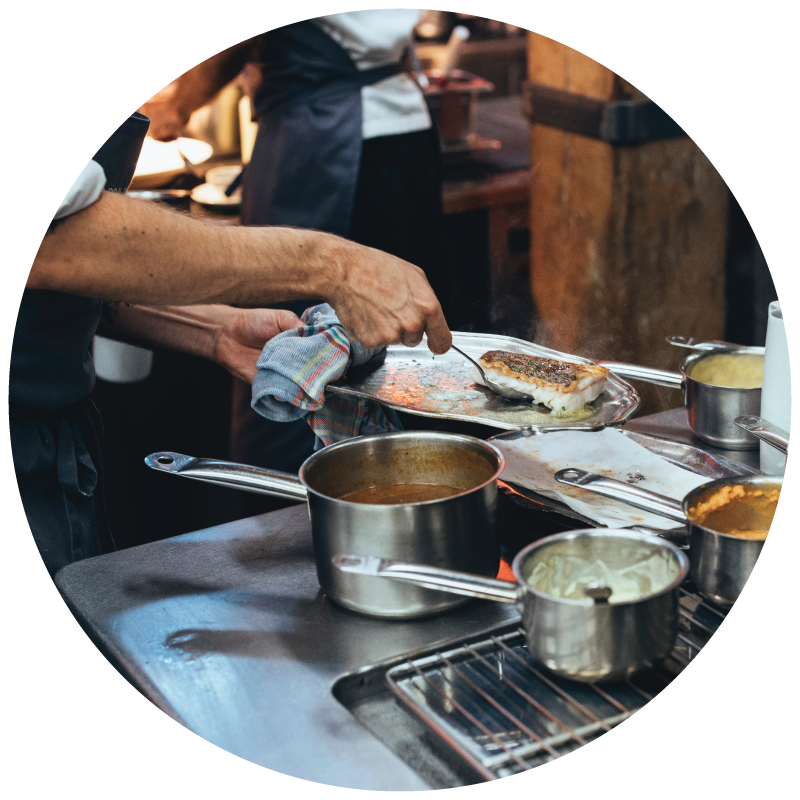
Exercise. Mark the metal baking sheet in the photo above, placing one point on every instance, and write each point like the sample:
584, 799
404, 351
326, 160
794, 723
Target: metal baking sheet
412, 379
681, 455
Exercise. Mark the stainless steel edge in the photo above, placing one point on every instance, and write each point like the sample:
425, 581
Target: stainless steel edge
659, 377
703, 344
619, 490
229, 474
765, 431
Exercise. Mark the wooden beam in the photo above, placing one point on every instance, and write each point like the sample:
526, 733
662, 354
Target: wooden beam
627, 243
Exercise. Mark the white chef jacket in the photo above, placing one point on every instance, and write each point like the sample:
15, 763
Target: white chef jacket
85, 191
374, 38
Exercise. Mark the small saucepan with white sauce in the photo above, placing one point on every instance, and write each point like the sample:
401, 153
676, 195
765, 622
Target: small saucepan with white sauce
720, 382
728, 523
596, 605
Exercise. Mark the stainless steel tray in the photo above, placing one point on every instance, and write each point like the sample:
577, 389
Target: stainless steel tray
681, 455
412, 379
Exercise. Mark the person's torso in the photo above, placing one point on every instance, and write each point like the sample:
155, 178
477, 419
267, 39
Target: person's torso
51, 363
370, 39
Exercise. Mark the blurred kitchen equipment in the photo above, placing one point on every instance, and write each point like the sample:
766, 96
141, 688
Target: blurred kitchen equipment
721, 563
776, 395
452, 52
503, 391
213, 194
433, 24
765, 431
584, 640
453, 100
710, 409
701, 344
457, 532
177, 198
118, 362
161, 162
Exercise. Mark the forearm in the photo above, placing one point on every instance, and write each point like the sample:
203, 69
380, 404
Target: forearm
122, 249
188, 329
171, 108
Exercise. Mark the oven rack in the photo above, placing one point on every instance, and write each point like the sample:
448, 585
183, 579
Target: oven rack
504, 713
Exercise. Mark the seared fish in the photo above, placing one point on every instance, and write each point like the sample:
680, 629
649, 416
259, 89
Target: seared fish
561, 386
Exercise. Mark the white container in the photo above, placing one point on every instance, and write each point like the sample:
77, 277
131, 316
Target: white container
118, 362
776, 395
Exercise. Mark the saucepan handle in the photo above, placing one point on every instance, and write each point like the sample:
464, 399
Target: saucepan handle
766, 431
626, 492
430, 577
226, 473
660, 377
701, 344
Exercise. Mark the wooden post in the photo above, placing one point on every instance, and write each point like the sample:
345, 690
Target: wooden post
627, 242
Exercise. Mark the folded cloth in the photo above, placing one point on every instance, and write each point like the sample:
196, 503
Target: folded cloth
295, 367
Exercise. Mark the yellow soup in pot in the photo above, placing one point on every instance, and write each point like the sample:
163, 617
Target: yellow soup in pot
734, 370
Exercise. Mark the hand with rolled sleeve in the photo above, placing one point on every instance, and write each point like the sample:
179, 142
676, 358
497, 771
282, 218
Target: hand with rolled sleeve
132, 251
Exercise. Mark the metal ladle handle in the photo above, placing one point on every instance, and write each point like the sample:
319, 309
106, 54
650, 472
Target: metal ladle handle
660, 377
619, 490
462, 583
766, 431
233, 476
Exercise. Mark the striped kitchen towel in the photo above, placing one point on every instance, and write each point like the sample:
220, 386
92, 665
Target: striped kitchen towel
295, 367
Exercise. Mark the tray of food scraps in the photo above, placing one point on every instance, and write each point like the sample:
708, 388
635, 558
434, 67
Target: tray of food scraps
564, 394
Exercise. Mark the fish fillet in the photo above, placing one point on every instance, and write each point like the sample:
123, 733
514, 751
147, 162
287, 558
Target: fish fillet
561, 386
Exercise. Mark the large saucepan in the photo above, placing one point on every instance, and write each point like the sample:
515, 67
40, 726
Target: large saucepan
587, 638
710, 409
457, 532
721, 563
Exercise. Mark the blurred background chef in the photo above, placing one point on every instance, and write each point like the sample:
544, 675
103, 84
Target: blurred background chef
345, 145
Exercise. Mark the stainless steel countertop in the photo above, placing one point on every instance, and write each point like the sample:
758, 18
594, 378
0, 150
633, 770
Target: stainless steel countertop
227, 630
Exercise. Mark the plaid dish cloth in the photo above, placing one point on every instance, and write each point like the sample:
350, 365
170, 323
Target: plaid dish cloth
297, 365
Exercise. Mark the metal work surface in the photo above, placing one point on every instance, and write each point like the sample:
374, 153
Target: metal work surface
672, 425
416, 381
503, 712
227, 631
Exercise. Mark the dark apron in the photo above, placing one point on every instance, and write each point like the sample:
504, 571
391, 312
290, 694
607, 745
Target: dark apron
305, 162
54, 426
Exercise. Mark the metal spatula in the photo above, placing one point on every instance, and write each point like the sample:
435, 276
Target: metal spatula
503, 391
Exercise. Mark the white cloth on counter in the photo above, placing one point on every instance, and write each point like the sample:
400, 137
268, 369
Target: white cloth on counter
532, 461
373, 38
85, 191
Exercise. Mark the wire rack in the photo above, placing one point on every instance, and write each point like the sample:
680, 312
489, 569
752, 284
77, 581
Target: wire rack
505, 713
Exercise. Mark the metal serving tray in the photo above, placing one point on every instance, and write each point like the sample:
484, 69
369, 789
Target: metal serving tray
681, 455
412, 379
497, 708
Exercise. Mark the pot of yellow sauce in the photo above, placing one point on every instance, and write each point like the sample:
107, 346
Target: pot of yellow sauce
718, 386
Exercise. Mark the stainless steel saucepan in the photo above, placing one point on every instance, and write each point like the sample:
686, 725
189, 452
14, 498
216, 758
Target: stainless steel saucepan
457, 532
710, 409
588, 638
721, 563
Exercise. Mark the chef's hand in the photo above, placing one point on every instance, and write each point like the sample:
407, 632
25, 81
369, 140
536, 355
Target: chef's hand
382, 300
167, 118
242, 338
